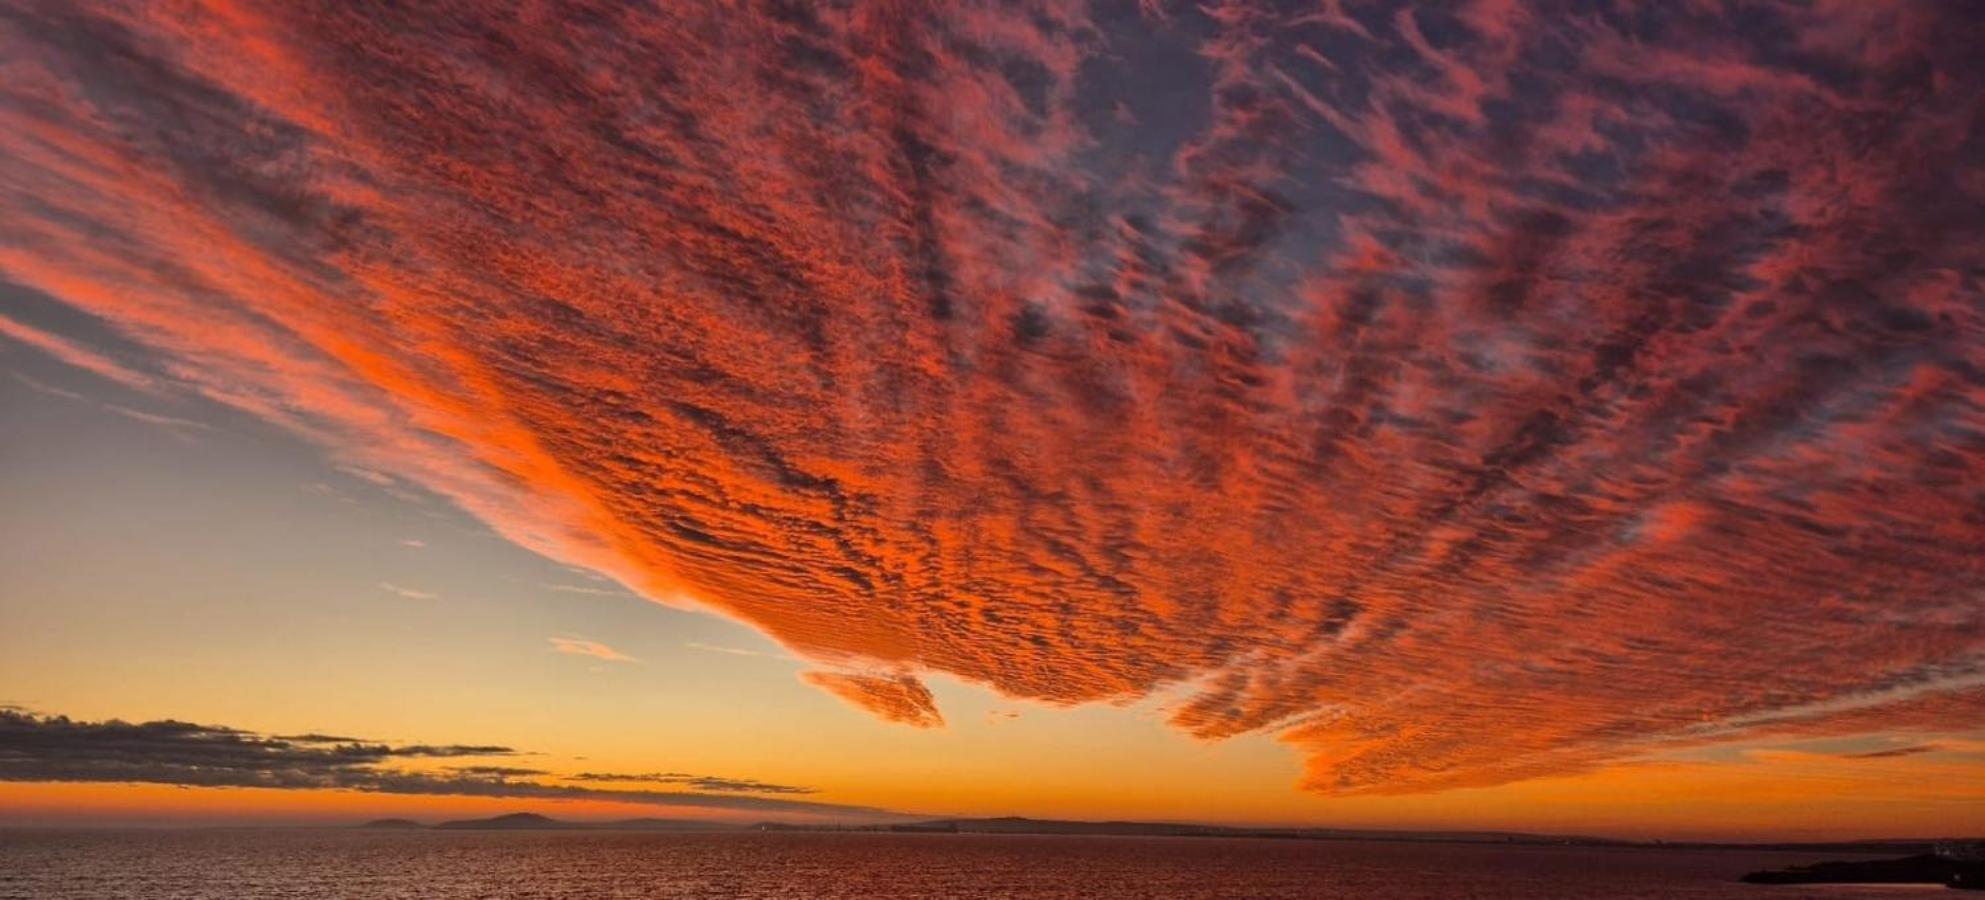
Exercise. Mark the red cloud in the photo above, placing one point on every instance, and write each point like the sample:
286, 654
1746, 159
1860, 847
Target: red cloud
1506, 394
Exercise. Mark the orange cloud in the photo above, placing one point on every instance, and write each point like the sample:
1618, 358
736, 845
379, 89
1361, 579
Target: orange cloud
896, 698
1485, 404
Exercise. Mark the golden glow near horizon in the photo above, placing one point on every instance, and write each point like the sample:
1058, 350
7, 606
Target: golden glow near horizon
1435, 418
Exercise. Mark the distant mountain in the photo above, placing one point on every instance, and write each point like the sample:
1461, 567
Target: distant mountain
393, 824
512, 821
535, 822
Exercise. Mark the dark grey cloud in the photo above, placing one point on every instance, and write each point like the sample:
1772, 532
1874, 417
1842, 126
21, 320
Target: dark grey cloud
496, 771
314, 738
452, 750
56, 748
35, 748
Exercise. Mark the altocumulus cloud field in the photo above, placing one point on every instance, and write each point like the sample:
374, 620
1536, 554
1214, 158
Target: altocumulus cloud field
1465, 393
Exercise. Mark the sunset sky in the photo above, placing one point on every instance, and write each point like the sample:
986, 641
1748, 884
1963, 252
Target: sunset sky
1490, 415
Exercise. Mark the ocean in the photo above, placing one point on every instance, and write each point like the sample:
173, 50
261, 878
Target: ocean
320, 864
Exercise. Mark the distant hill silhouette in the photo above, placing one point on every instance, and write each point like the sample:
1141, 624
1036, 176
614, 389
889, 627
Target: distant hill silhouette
505, 822
393, 824
535, 822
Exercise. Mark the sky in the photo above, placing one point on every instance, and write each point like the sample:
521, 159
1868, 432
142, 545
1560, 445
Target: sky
1489, 415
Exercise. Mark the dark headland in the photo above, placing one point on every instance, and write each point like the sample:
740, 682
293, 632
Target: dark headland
1958, 864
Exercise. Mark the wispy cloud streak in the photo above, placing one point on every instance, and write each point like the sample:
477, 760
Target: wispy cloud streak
73, 354
407, 592
594, 649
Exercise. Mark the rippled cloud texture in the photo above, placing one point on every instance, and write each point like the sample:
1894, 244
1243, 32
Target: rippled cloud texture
1463, 392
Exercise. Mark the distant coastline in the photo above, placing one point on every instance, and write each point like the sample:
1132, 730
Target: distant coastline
1020, 825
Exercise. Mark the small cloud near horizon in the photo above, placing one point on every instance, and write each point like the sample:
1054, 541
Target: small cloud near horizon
408, 593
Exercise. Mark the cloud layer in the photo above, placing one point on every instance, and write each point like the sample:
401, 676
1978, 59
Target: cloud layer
1463, 392
55, 748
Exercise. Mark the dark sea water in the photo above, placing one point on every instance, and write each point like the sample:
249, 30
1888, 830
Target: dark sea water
313, 864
